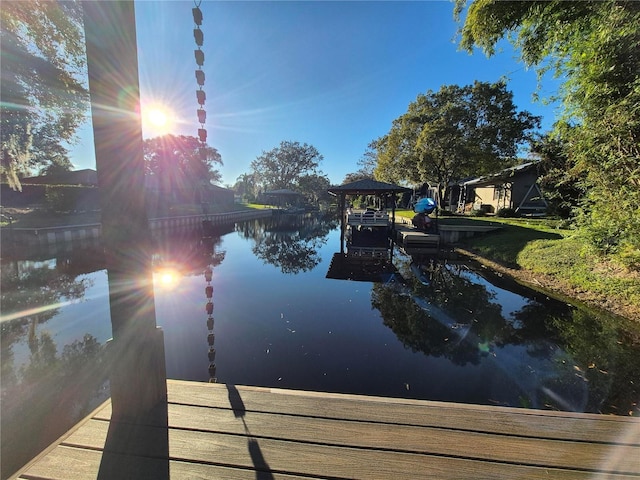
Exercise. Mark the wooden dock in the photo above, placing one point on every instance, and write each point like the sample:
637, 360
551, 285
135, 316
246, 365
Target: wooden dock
408, 236
413, 240
227, 432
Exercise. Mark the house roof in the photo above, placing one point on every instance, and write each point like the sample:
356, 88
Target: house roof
366, 187
86, 176
501, 176
218, 187
282, 191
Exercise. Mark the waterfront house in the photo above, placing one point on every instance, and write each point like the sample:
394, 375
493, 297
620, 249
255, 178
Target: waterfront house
514, 188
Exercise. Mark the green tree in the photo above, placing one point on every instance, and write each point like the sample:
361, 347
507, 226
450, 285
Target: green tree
314, 187
562, 183
181, 162
355, 176
56, 169
44, 98
178, 169
245, 186
282, 166
453, 133
594, 47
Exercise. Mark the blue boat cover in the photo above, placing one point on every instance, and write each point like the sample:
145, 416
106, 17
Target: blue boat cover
425, 205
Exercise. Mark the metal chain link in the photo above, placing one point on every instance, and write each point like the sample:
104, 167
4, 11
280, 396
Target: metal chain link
201, 97
208, 275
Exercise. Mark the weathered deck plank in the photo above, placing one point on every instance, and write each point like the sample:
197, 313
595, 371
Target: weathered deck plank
317, 461
219, 431
478, 418
68, 463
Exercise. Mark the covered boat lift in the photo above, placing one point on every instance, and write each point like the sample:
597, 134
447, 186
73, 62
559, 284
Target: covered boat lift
382, 190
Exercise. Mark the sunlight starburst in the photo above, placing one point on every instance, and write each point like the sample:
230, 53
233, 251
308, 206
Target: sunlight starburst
157, 120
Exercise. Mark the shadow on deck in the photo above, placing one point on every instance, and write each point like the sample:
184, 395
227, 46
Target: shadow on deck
224, 431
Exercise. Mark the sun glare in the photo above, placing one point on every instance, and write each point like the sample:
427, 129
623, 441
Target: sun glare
157, 119
167, 278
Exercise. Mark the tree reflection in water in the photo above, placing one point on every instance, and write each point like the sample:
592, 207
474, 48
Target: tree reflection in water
290, 242
48, 390
52, 390
189, 253
556, 355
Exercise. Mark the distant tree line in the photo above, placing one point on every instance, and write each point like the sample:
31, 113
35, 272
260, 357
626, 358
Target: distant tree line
289, 166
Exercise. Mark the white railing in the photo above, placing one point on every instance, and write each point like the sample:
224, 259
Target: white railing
368, 218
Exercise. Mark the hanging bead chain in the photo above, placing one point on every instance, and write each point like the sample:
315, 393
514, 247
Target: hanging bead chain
208, 274
199, 54
201, 97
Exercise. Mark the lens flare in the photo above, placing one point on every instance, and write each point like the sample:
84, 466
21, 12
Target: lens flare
167, 278
157, 119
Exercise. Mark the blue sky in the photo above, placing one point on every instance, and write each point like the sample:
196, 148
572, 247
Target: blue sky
332, 74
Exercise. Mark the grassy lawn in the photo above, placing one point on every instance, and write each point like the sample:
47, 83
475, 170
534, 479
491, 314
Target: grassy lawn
570, 259
257, 206
507, 244
504, 245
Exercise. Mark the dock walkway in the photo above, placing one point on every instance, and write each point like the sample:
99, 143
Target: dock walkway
414, 240
227, 432
447, 234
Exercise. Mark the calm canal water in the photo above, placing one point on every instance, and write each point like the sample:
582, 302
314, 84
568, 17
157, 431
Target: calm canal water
426, 328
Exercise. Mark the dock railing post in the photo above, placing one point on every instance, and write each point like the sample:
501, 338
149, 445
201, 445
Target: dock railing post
136, 352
